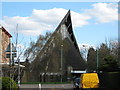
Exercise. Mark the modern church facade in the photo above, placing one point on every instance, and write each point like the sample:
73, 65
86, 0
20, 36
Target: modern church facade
60, 55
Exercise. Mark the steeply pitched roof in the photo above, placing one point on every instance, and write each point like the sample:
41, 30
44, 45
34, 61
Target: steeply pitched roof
66, 20
6, 32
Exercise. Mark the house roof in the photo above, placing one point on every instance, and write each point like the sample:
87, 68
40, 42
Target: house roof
6, 32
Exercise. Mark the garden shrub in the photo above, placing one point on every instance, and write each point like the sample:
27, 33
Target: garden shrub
6, 81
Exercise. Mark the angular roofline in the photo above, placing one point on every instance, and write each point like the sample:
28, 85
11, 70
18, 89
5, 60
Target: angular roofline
6, 32
62, 21
68, 13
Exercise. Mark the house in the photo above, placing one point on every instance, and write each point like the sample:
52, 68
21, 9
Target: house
5, 37
4, 42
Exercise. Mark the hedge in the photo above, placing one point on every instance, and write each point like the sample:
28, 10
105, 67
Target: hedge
110, 80
6, 81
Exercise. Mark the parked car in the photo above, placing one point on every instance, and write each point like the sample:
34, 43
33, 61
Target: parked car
77, 82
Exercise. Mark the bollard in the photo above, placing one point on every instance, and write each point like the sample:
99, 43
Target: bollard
39, 86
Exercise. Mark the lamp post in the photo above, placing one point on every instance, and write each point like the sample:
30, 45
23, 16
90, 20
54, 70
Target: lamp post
18, 73
10, 63
61, 62
97, 60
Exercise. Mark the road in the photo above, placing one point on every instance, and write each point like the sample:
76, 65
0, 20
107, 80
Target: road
46, 87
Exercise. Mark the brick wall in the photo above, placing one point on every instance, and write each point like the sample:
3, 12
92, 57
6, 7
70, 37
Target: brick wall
4, 42
0, 44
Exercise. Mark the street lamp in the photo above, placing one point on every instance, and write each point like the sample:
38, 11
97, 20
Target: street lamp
97, 60
61, 61
18, 73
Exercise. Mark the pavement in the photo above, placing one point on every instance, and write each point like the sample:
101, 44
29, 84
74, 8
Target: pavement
46, 87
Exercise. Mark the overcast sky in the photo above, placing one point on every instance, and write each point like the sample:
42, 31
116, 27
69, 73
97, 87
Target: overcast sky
93, 23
